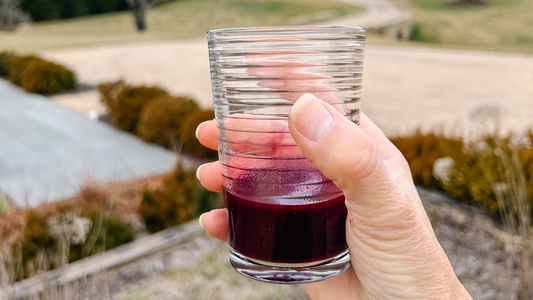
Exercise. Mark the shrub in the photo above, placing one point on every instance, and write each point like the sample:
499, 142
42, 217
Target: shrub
422, 150
35, 237
35, 74
469, 182
156, 117
43, 77
85, 227
126, 108
108, 231
190, 144
423, 34
162, 120
36, 241
110, 90
5, 62
478, 168
18, 65
179, 200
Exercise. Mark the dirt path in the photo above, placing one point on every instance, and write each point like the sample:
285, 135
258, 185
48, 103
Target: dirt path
404, 87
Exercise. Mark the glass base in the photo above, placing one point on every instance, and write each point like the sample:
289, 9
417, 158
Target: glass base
289, 273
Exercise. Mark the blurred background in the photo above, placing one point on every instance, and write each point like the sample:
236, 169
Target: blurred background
99, 101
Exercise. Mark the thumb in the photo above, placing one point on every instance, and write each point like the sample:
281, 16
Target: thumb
379, 211
341, 151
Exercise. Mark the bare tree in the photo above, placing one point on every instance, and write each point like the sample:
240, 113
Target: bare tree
139, 8
10, 14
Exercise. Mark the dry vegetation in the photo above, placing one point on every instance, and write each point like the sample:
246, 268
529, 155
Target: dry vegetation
210, 277
22, 230
500, 24
173, 20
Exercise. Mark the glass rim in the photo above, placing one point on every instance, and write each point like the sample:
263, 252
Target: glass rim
302, 28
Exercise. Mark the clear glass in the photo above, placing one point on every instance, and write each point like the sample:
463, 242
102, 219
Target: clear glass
286, 219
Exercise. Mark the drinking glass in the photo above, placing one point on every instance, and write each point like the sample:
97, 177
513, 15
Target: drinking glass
286, 219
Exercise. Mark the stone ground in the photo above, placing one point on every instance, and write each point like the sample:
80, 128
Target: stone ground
48, 152
200, 269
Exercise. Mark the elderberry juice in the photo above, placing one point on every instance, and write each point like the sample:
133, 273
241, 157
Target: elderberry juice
274, 217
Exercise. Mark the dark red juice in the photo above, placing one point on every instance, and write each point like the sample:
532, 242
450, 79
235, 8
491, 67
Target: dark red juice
301, 233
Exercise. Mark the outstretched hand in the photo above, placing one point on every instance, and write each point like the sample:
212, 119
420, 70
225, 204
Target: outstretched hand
394, 252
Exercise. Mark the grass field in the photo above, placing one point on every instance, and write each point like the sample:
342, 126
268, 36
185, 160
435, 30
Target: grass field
179, 19
501, 24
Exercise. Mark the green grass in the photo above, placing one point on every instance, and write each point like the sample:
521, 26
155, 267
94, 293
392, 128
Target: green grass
501, 24
179, 19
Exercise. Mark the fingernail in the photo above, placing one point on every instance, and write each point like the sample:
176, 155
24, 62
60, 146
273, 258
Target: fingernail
198, 170
198, 128
200, 219
311, 118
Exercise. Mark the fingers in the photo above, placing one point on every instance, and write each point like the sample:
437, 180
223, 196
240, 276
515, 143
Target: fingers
257, 135
210, 177
207, 134
215, 223
284, 72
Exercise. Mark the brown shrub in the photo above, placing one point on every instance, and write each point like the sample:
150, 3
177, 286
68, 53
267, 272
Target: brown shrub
43, 77
110, 90
477, 164
422, 150
179, 200
18, 65
162, 119
125, 110
5, 62
26, 233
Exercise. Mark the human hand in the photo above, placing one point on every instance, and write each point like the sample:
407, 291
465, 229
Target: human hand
394, 252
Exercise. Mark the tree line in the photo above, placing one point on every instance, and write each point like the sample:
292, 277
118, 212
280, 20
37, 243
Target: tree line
13, 12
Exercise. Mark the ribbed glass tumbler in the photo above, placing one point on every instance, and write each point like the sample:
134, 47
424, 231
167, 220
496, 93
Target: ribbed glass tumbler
286, 219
